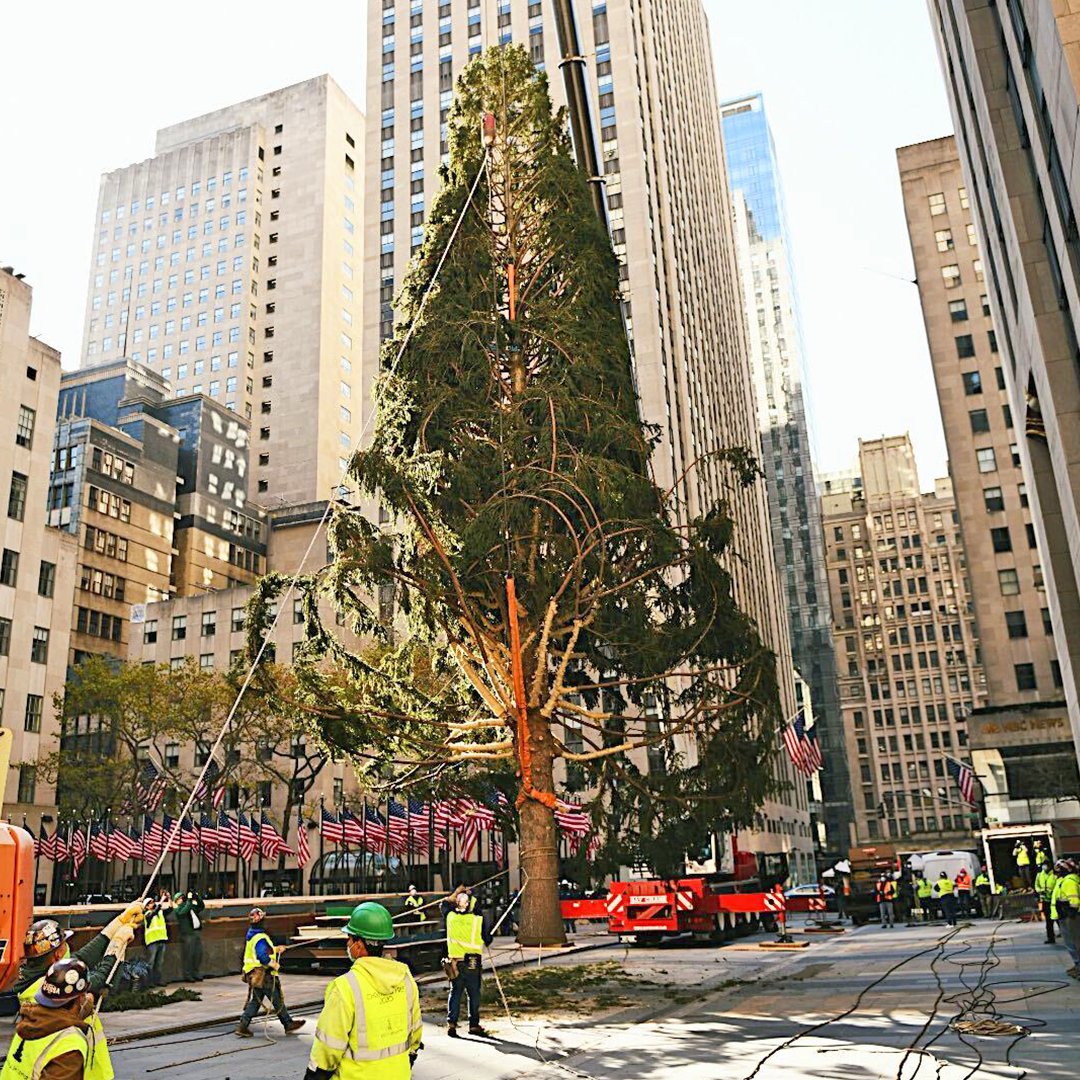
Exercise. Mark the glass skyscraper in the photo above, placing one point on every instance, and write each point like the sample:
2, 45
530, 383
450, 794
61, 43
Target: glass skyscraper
776, 347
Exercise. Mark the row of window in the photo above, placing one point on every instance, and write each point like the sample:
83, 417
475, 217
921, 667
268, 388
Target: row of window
179, 194
32, 714
98, 624
39, 642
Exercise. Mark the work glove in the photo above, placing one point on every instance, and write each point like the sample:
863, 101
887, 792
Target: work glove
132, 916
119, 941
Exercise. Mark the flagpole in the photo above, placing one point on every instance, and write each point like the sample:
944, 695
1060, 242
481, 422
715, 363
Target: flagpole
431, 845
386, 841
259, 887
363, 848
86, 859
37, 854
322, 846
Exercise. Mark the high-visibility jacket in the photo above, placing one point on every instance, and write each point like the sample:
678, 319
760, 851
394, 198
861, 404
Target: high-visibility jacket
923, 889
416, 902
1022, 856
963, 881
884, 891
1045, 880
982, 883
370, 1023
155, 928
1068, 896
464, 934
251, 957
1042, 856
98, 1063
27, 1058
943, 887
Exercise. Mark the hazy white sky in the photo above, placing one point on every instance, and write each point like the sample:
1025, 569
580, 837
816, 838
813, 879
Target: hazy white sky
845, 83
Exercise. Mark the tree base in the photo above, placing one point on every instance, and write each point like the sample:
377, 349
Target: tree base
541, 942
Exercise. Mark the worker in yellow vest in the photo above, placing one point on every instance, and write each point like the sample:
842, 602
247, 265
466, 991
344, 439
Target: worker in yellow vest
981, 895
1067, 902
414, 905
945, 892
1045, 883
156, 936
1023, 861
466, 937
925, 894
53, 1037
370, 1026
262, 962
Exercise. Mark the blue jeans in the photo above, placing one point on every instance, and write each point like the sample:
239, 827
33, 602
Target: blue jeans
468, 982
257, 994
155, 957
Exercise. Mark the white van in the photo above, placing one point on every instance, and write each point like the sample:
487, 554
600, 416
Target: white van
931, 863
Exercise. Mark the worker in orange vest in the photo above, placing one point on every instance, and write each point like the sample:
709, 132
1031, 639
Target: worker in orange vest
962, 881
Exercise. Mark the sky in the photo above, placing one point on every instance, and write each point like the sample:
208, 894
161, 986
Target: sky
845, 82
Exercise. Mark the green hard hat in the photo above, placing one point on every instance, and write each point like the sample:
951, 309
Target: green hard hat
370, 921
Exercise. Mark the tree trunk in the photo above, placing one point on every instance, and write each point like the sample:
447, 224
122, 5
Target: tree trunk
541, 918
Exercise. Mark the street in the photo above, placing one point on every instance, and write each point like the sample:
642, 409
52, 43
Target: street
864, 1005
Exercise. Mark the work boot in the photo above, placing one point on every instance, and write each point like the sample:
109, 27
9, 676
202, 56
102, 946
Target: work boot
293, 1025
451, 1030
476, 1029
244, 1030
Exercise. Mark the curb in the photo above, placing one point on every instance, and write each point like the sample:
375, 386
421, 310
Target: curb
424, 980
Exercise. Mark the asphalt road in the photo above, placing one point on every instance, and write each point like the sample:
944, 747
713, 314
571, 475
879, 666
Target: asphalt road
871, 1004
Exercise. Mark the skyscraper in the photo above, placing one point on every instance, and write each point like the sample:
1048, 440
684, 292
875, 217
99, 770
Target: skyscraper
229, 264
776, 349
1014, 89
672, 230
907, 642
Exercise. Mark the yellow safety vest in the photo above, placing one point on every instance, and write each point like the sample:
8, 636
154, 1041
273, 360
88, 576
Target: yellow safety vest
366, 1035
464, 934
96, 1049
27, 1058
923, 888
1022, 857
251, 960
155, 929
1045, 880
416, 902
1069, 891
944, 887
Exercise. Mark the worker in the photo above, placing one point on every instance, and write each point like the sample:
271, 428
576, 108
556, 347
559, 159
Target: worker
188, 909
924, 893
414, 905
1045, 884
261, 965
466, 937
885, 898
1067, 900
370, 1026
843, 894
156, 936
962, 882
945, 892
54, 1038
1042, 856
981, 895
1023, 862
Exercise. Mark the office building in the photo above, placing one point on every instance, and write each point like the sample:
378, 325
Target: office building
657, 120
1008, 589
229, 264
905, 643
1011, 75
37, 564
776, 349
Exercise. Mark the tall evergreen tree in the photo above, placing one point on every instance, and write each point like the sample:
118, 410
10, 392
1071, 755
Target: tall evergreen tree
509, 450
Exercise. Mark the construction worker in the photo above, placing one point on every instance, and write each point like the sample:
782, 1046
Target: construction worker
1042, 856
188, 909
466, 937
1023, 862
962, 882
981, 895
885, 898
1067, 901
370, 1026
54, 1039
156, 936
945, 892
260, 971
1045, 884
925, 894
997, 901
414, 905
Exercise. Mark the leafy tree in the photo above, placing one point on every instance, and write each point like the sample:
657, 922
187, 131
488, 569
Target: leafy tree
509, 450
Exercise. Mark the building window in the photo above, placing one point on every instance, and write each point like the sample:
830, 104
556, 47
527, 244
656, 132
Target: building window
238, 619
150, 632
27, 783
1048, 626
5, 637
209, 623
9, 567
972, 383
39, 646
951, 276
980, 421
179, 627
1009, 582
993, 499
298, 611
35, 706
16, 506
965, 346
172, 755
937, 204
24, 430
1016, 623
1025, 676
943, 239
46, 578
986, 459
958, 310
206, 661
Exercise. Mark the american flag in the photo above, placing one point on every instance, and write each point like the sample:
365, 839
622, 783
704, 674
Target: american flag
249, 841
170, 833
376, 829
497, 847
150, 786
189, 836
78, 849
41, 843
121, 846
795, 743
228, 832
209, 783
303, 847
99, 842
468, 832
398, 826
153, 839
485, 816
572, 819
419, 818
208, 834
58, 847
813, 749
332, 831
271, 840
964, 775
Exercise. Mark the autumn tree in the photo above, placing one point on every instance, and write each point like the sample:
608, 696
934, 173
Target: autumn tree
559, 608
